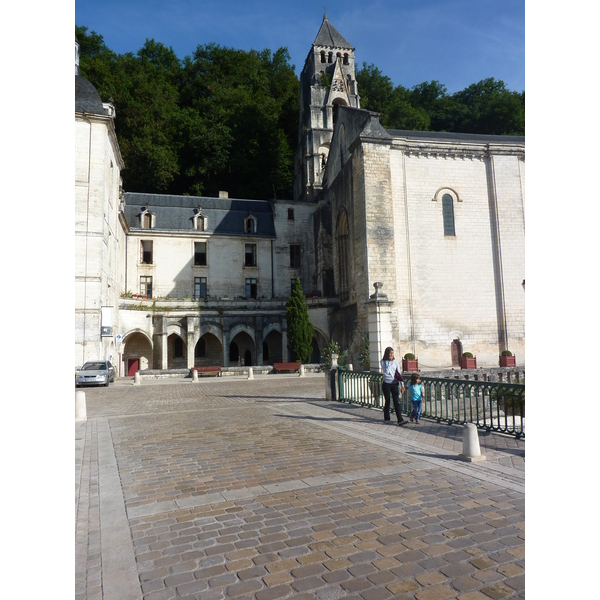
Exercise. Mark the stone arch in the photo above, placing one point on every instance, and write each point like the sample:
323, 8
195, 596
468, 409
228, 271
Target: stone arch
178, 329
210, 328
271, 327
176, 351
208, 350
241, 327
131, 332
137, 354
446, 190
319, 342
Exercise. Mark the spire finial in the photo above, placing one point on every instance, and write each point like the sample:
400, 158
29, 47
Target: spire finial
324, 12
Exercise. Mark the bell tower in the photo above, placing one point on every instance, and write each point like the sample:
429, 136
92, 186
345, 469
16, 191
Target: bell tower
328, 79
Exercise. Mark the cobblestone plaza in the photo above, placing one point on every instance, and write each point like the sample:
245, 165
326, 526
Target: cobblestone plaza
235, 488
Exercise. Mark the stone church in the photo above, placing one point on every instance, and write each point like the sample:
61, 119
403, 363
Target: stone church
413, 239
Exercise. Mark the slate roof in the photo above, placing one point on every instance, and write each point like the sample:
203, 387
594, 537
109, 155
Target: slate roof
329, 36
87, 98
458, 137
225, 216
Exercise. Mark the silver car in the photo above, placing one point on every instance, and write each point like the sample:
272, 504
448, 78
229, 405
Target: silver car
97, 372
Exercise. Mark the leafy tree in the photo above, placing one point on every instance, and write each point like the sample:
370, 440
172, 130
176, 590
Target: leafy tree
299, 327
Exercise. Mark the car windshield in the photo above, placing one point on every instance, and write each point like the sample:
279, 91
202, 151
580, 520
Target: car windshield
94, 366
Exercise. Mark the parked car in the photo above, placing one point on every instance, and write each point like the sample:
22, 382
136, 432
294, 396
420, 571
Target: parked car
96, 372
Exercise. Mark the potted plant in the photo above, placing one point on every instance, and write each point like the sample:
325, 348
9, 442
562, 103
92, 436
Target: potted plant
468, 361
410, 362
507, 359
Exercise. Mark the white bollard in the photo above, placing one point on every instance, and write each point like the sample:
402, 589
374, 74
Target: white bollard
136, 378
471, 451
194, 375
334, 363
349, 367
301, 371
250, 373
80, 409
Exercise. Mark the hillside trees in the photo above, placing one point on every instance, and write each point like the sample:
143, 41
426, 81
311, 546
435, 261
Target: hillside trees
223, 119
227, 119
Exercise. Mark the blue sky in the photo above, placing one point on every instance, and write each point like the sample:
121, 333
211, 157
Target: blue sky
457, 42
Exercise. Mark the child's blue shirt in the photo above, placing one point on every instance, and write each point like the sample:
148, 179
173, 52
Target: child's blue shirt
416, 392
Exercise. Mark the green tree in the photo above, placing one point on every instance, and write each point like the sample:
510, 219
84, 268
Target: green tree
299, 327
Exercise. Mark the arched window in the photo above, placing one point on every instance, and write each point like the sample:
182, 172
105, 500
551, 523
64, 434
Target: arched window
330, 57
343, 258
146, 220
250, 224
338, 55
448, 215
323, 57
346, 58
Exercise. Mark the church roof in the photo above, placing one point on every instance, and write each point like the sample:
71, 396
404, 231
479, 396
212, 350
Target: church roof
225, 216
87, 98
329, 36
458, 137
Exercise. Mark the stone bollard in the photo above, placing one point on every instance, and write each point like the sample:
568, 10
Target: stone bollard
80, 409
194, 375
250, 373
301, 371
349, 367
471, 451
136, 378
334, 363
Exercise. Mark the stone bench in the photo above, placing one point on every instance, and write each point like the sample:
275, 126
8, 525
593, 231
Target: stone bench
216, 370
287, 366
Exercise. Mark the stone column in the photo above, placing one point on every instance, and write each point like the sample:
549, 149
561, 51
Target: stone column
380, 325
226, 344
191, 341
161, 350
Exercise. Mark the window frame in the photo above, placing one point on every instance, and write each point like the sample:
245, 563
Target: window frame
144, 281
252, 254
448, 219
144, 252
199, 282
199, 254
295, 256
251, 285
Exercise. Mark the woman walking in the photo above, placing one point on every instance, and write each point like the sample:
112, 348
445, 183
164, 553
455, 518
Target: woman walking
391, 380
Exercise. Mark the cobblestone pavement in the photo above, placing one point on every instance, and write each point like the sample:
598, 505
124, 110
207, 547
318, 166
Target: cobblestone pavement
229, 488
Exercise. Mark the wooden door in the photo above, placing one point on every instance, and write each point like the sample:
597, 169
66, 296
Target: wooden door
133, 366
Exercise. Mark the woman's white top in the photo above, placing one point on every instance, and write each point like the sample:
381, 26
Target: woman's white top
388, 368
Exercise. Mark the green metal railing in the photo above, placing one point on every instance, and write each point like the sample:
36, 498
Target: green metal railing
491, 406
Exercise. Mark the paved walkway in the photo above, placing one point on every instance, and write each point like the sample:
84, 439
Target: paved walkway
229, 488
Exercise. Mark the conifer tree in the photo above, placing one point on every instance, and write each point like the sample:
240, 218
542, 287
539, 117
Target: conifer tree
299, 327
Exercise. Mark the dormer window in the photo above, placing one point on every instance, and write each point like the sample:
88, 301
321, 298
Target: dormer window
147, 220
200, 221
250, 224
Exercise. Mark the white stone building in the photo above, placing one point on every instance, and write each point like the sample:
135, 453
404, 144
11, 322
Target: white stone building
436, 218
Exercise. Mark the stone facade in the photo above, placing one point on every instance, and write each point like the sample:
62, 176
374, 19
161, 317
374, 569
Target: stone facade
436, 220
100, 229
463, 285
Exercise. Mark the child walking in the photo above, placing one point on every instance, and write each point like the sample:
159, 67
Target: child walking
416, 395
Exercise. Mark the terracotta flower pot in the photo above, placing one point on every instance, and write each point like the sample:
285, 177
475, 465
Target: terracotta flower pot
508, 361
410, 364
468, 363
